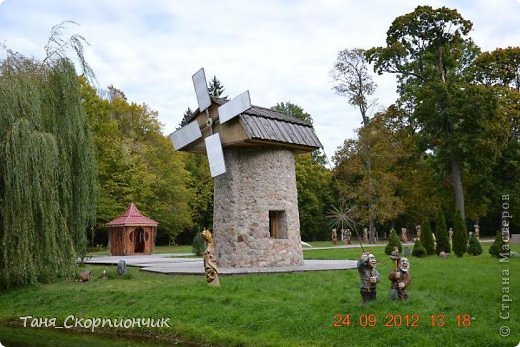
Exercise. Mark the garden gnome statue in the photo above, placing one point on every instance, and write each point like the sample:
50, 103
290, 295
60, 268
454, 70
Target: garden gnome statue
369, 276
418, 231
334, 237
400, 279
210, 264
477, 231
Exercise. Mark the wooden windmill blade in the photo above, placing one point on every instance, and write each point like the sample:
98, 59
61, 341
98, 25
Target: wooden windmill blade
234, 107
192, 132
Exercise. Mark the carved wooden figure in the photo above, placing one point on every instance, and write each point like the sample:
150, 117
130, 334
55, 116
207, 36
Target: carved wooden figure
210, 264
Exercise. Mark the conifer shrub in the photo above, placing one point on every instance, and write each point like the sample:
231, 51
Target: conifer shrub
198, 245
427, 238
496, 247
393, 241
474, 247
418, 249
460, 235
441, 234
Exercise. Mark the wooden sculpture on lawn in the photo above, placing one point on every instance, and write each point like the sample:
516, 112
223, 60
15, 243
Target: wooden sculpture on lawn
210, 266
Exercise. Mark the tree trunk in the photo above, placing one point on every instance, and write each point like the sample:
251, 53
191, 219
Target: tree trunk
457, 187
371, 227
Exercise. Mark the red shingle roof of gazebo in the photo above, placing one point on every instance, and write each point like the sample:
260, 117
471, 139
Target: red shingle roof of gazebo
132, 216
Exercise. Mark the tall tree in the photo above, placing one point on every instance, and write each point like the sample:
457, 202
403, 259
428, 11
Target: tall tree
430, 51
296, 111
376, 191
353, 81
460, 235
216, 89
47, 170
441, 233
314, 182
136, 163
500, 70
188, 115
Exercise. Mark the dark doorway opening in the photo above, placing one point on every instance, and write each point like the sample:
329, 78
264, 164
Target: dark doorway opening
139, 240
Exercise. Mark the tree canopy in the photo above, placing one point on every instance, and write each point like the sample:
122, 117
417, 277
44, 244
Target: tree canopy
47, 170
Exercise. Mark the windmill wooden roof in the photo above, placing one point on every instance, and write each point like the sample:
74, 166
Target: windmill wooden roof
258, 126
132, 216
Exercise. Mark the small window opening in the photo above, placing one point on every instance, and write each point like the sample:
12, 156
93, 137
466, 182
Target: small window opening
277, 225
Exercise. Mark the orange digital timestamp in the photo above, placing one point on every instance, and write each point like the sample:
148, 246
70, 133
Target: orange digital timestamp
396, 320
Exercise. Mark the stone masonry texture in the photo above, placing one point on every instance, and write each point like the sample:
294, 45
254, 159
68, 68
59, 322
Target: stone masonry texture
257, 181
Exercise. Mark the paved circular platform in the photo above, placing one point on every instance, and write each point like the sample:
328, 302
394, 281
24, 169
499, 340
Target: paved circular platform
173, 264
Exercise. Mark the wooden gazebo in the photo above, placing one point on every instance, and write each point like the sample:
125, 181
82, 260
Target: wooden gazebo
131, 233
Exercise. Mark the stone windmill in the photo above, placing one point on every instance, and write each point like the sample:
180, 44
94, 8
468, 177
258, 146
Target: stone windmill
251, 156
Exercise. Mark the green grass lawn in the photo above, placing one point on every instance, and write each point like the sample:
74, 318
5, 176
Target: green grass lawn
295, 309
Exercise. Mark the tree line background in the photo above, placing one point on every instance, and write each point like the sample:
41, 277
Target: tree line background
73, 158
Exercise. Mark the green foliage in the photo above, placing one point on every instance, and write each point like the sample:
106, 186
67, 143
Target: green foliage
314, 183
460, 235
47, 176
201, 184
432, 54
474, 247
375, 191
216, 89
136, 163
353, 80
419, 250
441, 233
393, 241
199, 245
497, 246
427, 238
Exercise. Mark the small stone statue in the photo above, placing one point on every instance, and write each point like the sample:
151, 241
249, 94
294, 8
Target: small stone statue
365, 234
121, 268
210, 263
404, 237
418, 231
450, 234
369, 276
334, 237
348, 235
477, 231
400, 279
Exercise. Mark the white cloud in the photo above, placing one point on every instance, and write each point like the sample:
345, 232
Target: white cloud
279, 50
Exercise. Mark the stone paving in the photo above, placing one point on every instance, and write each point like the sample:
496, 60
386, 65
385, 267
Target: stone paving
186, 264
170, 263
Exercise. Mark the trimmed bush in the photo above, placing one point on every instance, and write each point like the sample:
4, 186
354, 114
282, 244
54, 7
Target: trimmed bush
474, 247
441, 234
427, 238
393, 241
418, 249
496, 247
460, 235
198, 245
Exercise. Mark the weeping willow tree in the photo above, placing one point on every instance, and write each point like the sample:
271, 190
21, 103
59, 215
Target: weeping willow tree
47, 167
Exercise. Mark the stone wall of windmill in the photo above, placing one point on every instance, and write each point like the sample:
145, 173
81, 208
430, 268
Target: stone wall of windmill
251, 151
257, 191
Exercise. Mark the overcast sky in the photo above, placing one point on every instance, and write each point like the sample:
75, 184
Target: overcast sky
278, 50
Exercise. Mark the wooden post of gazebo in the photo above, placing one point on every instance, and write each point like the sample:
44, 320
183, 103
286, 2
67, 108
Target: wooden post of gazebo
132, 233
